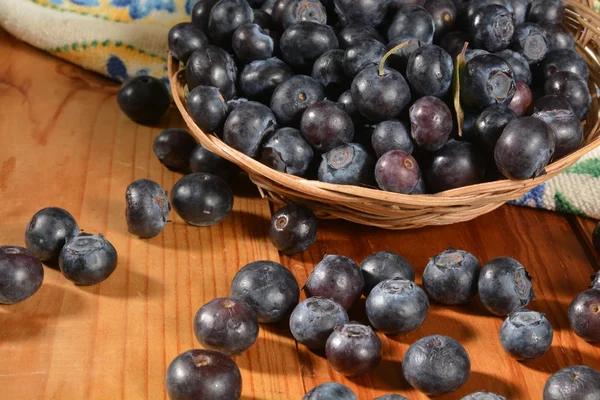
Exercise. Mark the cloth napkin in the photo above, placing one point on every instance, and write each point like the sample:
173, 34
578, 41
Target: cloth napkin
124, 38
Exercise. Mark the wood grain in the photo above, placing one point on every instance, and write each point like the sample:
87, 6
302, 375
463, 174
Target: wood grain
65, 143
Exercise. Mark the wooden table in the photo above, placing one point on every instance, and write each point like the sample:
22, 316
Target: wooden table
64, 142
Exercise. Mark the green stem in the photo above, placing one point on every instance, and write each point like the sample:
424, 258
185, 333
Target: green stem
392, 51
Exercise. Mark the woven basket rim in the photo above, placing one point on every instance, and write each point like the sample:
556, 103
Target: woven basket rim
356, 194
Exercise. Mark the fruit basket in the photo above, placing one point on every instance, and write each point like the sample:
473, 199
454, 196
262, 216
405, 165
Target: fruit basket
400, 211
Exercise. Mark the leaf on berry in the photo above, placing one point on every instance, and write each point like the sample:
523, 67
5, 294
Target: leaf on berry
458, 66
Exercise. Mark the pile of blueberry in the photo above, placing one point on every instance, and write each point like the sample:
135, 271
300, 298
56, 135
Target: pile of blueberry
410, 96
53, 236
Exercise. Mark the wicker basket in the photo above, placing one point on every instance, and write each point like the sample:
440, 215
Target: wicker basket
398, 211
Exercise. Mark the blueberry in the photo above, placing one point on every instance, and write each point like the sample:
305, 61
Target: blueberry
304, 10
227, 325
564, 60
277, 13
431, 122
522, 100
146, 208
492, 28
486, 80
397, 306
251, 43
268, 287
557, 36
355, 33
367, 12
504, 286
520, 10
391, 135
349, 164
234, 103
380, 97
259, 79
212, 66
490, 124
302, 43
390, 397
361, 55
353, 349
203, 374
286, 150
436, 365
397, 171
471, 53
526, 334
173, 148
184, 39
225, 17
444, 15
524, 148
483, 395
201, 13
451, 277
330, 391
399, 58
144, 99
346, 101
207, 107
454, 42
412, 21
518, 64
429, 71
455, 165
247, 126
583, 312
314, 319
204, 160
202, 199
338, 278
325, 125
552, 11
567, 131
384, 265
575, 382
293, 96
530, 41
551, 102
262, 18
48, 231
328, 70
87, 259
293, 229
21, 274
475, 5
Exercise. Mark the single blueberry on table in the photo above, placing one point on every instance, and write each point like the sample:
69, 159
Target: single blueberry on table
184, 39
397, 171
412, 21
436, 365
576, 382
146, 208
526, 334
384, 265
203, 374
268, 287
572, 88
451, 277
391, 135
303, 42
397, 306
225, 17
293, 229
247, 126
293, 96
173, 148
201, 13
490, 124
87, 259
304, 10
21, 274
349, 164
367, 12
144, 99
227, 325
455, 165
326, 125
354, 33
251, 43
286, 150
202, 199
584, 311
486, 80
431, 122
212, 66
353, 349
208, 108
314, 319
336, 277
259, 79
504, 286
483, 395
330, 391
204, 160
48, 231
429, 71
361, 55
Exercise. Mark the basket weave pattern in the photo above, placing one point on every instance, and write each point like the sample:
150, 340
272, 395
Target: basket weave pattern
399, 211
